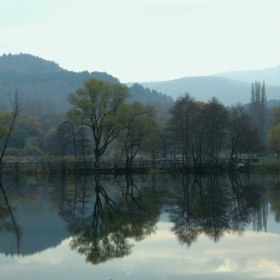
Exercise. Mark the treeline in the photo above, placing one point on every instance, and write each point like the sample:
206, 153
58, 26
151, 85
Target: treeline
105, 123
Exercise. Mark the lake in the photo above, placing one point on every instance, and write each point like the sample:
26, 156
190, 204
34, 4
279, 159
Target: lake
140, 227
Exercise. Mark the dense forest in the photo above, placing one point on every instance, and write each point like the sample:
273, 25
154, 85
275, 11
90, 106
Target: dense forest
50, 112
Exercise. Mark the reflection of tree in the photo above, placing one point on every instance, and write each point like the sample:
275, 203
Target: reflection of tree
7, 219
70, 197
238, 210
200, 211
139, 210
105, 233
274, 199
187, 228
209, 206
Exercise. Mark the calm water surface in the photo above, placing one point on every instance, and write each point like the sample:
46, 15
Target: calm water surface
140, 227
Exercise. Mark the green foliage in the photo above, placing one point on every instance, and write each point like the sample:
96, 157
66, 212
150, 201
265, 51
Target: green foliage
13, 152
161, 102
70, 162
138, 130
32, 147
5, 120
96, 106
30, 150
273, 140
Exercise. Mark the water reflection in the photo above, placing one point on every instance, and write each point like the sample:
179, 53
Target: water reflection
273, 195
106, 231
105, 216
213, 206
7, 220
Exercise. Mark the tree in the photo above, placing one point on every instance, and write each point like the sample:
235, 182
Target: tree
67, 128
197, 133
276, 116
83, 143
182, 114
200, 127
258, 109
32, 147
29, 127
243, 136
7, 122
58, 143
273, 140
138, 126
216, 118
97, 105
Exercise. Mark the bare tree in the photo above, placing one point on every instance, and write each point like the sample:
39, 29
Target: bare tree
7, 122
182, 114
243, 136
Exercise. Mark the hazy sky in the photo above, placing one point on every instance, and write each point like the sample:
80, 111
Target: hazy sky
144, 40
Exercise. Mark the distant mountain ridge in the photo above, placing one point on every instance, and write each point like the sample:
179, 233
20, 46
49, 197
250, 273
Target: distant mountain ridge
270, 75
42, 80
228, 91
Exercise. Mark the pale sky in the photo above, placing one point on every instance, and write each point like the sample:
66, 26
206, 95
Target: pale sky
145, 40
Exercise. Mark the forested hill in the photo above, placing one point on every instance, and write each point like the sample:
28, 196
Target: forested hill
45, 82
28, 68
146, 96
41, 80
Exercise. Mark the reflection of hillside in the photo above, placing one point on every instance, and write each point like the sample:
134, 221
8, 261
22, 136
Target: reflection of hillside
38, 221
214, 205
44, 210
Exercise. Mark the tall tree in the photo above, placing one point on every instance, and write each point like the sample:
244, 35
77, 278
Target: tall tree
258, 109
97, 105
